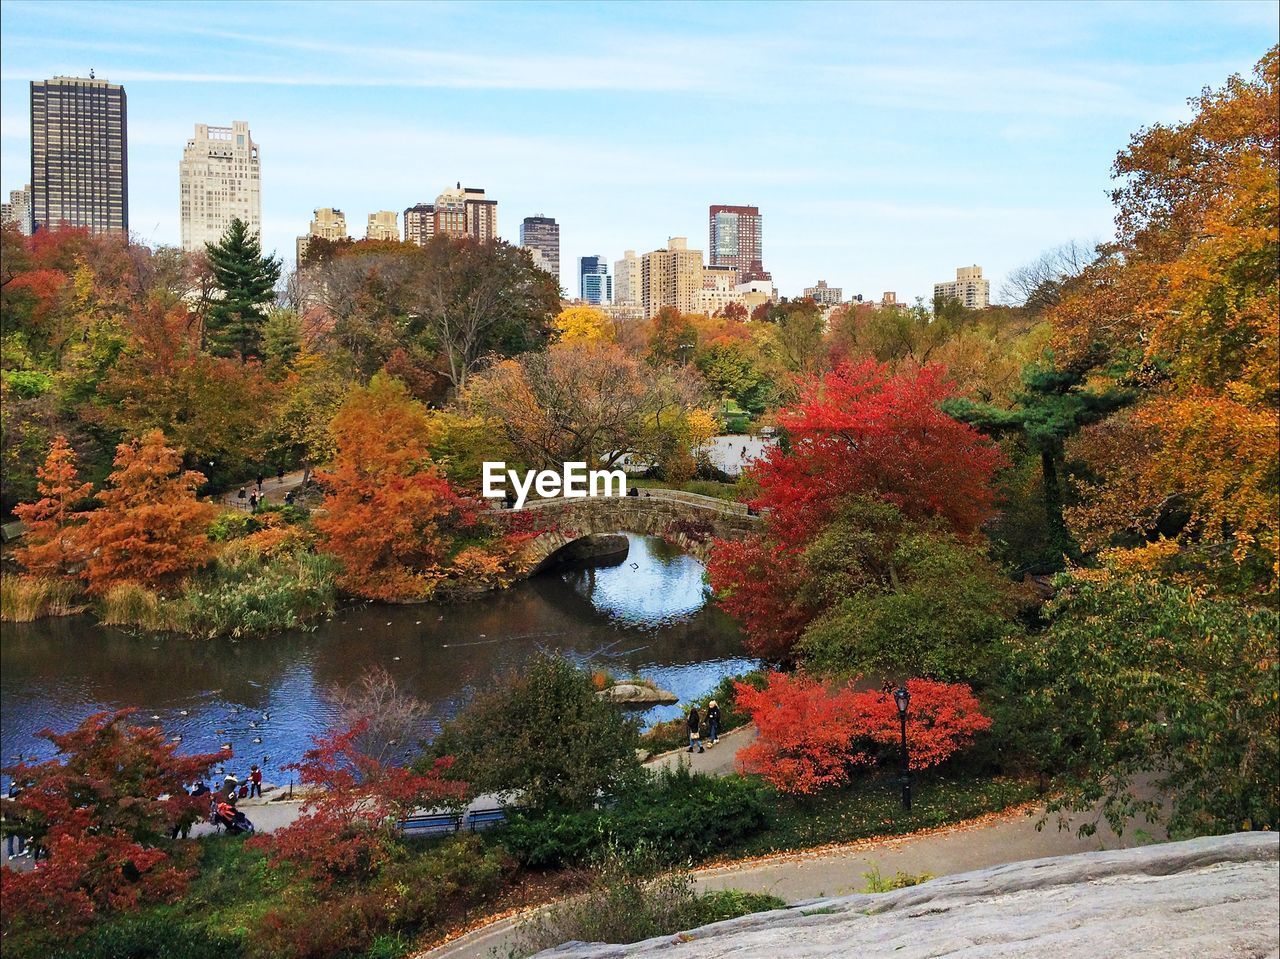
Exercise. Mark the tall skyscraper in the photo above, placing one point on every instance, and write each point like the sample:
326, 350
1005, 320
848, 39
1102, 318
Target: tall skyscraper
18, 210
79, 154
671, 277
736, 241
219, 182
542, 233
327, 223
595, 285
383, 225
626, 280
420, 223
969, 288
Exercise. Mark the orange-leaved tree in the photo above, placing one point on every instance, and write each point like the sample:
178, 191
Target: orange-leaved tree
52, 543
390, 516
150, 528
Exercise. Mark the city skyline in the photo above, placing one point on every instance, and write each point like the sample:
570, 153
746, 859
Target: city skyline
862, 157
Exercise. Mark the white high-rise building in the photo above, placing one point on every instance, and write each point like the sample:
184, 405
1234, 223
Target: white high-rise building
627, 285
219, 179
383, 225
969, 288
18, 210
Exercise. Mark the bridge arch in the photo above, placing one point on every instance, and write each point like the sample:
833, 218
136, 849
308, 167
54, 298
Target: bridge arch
688, 519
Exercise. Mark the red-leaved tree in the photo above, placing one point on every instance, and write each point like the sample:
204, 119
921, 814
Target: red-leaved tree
348, 825
101, 814
51, 546
856, 432
812, 737
805, 734
942, 719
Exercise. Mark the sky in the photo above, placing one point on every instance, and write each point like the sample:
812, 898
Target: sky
885, 144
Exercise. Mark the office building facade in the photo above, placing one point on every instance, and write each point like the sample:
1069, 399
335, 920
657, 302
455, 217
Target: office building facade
595, 285
79, 154
968, 288
736, 240
541, 234
219, 180
466, 212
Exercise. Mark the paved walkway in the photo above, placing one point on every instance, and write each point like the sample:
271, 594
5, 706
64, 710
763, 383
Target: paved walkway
273, 490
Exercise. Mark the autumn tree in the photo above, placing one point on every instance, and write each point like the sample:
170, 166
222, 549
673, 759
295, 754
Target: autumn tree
102, 811
813, 736
149, 527
582, 323
51, 545
583, 402
311, 393
856, 434
390, 516
1184, 304
349, 823
247, 281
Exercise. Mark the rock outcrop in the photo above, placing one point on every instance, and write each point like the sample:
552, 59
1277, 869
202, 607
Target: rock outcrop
1199, 899
637, 693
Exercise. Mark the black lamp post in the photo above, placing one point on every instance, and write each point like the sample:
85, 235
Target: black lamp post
903, 699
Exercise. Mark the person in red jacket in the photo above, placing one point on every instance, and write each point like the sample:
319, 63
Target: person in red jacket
255, 782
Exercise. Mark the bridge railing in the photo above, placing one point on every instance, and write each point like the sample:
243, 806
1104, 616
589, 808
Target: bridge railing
697, 500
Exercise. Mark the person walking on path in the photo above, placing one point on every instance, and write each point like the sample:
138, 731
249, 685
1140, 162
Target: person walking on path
694, 722
259, 483
713, 723
279, 475
255, 781
253, 502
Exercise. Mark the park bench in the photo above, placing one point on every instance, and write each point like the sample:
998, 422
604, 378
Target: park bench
432, 823
479, 819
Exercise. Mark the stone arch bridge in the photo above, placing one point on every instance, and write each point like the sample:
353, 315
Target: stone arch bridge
689, 520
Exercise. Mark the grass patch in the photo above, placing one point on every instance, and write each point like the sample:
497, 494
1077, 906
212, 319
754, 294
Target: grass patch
872, 806
130, 604
27, 598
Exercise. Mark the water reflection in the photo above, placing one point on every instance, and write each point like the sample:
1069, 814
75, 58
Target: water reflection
648, 615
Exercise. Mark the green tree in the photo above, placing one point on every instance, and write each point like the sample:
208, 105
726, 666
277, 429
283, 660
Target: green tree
544, 734
1136, 678
281, 340
247, 281
901, 599
1053, 405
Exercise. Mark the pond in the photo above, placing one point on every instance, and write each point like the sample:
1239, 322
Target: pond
650, 615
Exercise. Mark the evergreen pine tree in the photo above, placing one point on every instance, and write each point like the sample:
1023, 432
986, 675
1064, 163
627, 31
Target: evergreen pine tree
1052, 406
247, 280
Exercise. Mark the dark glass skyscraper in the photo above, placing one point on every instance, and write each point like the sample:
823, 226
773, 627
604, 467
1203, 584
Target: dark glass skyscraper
595, 285
542, 233
79, 154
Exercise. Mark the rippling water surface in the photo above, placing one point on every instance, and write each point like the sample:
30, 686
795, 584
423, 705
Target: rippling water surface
649, 615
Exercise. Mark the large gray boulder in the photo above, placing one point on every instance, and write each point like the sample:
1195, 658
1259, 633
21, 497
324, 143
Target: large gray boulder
637, 693
1209, 898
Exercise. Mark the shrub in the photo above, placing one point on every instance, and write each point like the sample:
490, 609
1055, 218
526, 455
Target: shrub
27, 598
233, 524
543, 734
678, 815
812, 737
628, 901
154, 937
27, 384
